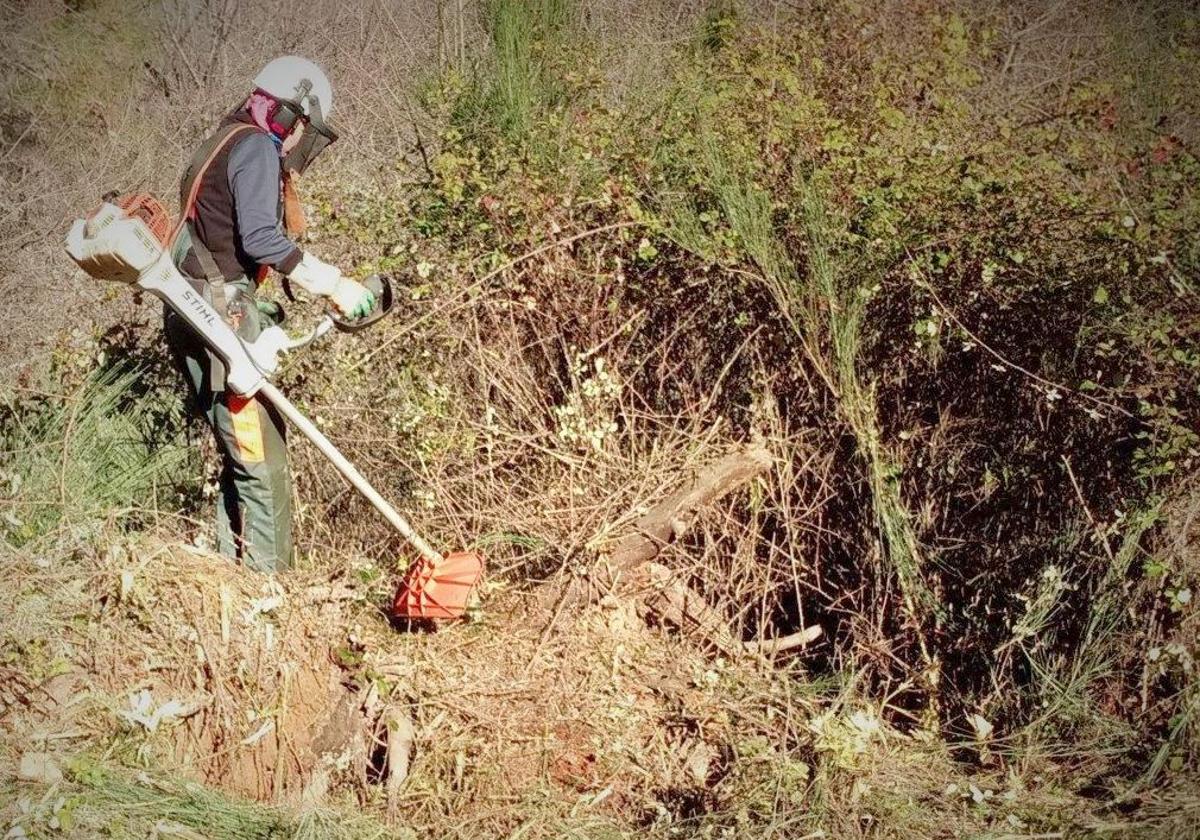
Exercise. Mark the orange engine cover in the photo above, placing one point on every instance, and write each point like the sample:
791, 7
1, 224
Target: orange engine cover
147, 208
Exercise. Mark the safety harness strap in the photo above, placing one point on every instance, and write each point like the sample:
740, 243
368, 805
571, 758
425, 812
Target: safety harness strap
189, 191
212, 273
189, 188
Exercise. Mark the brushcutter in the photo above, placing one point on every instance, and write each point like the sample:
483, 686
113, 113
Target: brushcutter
125, 241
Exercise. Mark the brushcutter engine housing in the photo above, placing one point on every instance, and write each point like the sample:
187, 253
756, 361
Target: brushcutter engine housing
111, 244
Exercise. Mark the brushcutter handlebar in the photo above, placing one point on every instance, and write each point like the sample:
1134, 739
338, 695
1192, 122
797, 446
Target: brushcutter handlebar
323, 326
379, 285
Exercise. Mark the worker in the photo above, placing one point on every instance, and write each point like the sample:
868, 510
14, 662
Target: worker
236, 195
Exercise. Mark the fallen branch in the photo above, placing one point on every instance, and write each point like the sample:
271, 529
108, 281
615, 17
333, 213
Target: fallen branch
671, 601
658, 591
784, 643
662, 525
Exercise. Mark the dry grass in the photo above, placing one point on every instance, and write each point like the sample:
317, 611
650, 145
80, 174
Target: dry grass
585, 723
185, 627
595, 722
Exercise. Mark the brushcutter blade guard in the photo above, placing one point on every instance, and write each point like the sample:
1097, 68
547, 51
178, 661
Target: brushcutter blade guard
438, 589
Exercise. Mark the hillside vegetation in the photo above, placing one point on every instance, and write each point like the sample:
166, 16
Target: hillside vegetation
937, 261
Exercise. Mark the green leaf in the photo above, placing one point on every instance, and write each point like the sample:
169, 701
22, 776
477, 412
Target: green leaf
1101, 295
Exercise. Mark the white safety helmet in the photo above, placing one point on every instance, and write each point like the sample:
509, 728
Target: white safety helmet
293, 78
303, 91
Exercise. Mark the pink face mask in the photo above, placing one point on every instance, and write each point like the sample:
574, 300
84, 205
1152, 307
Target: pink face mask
262, 110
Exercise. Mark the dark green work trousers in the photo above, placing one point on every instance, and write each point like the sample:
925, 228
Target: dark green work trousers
254, 509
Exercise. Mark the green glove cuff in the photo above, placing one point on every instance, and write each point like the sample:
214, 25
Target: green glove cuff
365, 304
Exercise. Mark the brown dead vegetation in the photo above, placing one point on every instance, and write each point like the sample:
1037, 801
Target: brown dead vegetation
244, 668
605, 707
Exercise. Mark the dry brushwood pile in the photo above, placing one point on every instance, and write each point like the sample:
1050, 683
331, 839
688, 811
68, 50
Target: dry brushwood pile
284, 690
227, 676
820, 380
280, 689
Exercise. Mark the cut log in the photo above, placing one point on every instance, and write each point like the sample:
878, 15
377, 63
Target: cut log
657, 589
670, 519
662, 525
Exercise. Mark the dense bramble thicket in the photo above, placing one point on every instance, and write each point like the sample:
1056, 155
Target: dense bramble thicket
964, 320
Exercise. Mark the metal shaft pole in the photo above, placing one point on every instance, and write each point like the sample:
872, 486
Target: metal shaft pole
348, 471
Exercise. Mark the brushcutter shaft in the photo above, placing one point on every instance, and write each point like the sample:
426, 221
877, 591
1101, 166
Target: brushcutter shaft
348, 471
112, 244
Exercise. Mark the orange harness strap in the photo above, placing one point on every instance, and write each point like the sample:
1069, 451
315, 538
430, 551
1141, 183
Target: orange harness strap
293, 212
188, 207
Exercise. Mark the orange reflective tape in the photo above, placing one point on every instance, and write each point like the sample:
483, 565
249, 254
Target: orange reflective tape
247, 429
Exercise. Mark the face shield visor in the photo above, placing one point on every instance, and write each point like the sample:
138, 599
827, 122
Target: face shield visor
317, 135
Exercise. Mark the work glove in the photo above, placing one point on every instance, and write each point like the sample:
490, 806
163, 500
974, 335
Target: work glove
352, 299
